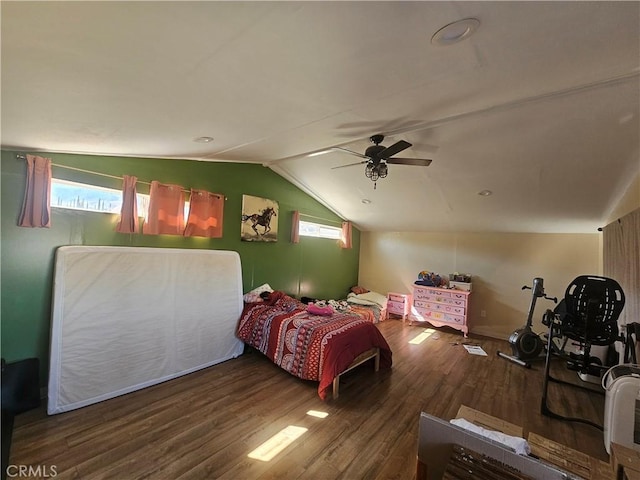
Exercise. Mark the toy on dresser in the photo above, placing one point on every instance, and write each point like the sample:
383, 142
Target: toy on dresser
430, 279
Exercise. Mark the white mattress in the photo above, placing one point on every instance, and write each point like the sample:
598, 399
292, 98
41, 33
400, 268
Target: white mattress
124, 318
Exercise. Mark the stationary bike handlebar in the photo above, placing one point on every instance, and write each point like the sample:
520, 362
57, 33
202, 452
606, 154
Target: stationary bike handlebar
538, 291
541, 294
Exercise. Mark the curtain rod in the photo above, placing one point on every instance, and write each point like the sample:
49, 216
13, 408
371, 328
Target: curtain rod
319, 218
21, 156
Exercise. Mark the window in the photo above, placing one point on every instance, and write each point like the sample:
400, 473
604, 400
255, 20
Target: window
309, 229
90, 198
80, 196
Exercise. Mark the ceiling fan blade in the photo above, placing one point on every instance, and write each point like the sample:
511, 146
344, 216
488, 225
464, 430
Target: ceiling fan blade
350, 164
418, 162
393, 149
350, 152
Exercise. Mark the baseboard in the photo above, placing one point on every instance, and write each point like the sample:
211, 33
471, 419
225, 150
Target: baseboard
487, 332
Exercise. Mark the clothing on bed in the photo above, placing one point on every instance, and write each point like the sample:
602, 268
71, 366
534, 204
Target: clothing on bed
311, 347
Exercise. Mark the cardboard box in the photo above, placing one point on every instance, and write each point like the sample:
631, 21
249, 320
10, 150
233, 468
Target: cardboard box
551, 452
488, 422
569, 459
437, 438
626, 462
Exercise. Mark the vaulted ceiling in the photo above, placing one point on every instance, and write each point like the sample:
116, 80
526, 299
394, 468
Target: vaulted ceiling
540, 105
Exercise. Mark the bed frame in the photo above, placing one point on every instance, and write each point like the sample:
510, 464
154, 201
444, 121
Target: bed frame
359, 360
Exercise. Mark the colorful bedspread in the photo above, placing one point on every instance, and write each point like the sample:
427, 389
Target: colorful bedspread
311, 347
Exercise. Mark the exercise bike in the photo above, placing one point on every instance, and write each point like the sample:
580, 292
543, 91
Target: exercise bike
525, 343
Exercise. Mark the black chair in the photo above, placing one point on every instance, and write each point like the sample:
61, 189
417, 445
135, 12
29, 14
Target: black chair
588, 316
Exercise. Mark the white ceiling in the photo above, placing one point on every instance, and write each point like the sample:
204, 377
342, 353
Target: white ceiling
541, 105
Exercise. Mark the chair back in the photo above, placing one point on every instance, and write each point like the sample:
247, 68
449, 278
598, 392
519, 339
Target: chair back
593, 305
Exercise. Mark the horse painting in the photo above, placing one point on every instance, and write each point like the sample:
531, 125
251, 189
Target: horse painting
259, 219
263, 219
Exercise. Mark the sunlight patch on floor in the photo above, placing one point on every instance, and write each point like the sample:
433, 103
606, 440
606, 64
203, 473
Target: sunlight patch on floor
418, 339
277, 443
316, 413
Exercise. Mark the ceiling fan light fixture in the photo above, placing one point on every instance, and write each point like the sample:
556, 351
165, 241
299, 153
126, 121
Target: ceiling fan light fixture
372, 172
455, 32
383, 170
368, 170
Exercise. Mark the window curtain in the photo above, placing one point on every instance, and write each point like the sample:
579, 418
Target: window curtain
295, 227
621, 261
36, 206
166, 210
205, 215
128, 222
346, 235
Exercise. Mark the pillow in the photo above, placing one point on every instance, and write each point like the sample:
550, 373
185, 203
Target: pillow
369, 298
254, 295
316, 310
358, 290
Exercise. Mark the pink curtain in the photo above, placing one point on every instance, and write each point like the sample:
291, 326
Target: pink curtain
166, 210
36, 206
346, 235
205, 215
128, 222
295, 227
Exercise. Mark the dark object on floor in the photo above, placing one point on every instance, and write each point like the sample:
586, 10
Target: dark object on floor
20, 392
21, 385
7, 431
308, 300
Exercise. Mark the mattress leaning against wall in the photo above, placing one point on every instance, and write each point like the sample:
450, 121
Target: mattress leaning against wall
125, 318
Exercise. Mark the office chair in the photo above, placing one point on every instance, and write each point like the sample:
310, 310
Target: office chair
588, 316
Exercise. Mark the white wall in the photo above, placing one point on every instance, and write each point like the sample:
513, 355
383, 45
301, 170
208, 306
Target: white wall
500, 263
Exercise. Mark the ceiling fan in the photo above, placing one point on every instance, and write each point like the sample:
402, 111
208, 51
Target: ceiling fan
377, 157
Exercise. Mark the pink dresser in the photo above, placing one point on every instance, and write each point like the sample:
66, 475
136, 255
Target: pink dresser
398, 304
440, 307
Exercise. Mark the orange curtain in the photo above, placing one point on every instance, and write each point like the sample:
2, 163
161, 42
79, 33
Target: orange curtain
295, 227
36, 206
166, 210
346, 235
205, 215
128, 222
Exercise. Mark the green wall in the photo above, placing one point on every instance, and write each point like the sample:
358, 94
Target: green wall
314, 267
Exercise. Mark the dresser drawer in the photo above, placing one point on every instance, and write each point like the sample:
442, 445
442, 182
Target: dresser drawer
430, 294
441, 307
396, 297
439, 299
423, 313
397, 308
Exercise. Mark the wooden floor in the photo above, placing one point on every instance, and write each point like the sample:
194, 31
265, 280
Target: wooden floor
203, 425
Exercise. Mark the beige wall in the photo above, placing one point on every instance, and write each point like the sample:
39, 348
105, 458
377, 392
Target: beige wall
500, 263
629, 201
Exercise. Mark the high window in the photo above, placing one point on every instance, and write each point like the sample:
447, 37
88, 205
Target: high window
310, 229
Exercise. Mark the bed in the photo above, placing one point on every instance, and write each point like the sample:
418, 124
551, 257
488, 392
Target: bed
368, 304
317, 347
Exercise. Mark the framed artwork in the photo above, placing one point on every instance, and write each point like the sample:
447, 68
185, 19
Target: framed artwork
259, 219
